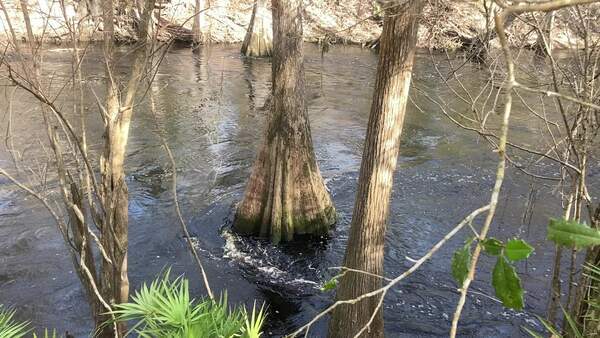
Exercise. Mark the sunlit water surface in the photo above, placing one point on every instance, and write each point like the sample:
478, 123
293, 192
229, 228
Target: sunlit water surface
209, 107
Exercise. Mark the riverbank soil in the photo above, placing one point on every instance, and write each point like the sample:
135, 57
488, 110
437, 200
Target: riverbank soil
450, 25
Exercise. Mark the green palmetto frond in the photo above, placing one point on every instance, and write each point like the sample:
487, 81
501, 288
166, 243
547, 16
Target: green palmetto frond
164, 309
254, 322
47, 334
9, 327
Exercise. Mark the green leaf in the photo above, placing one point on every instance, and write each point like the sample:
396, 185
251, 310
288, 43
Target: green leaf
507, 284
572, 234
460, 263
492, 246
330, 284
517, 249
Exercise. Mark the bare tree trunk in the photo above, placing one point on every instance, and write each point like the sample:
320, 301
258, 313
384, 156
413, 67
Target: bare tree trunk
259, 37
115, 283
109, 282
555, 286
286, 195
10, 28
543, 45
105, 283
83, 245
75, 194
365, 247
588, 290
197, 25
94, 10
479, 46
359, 8
26, 18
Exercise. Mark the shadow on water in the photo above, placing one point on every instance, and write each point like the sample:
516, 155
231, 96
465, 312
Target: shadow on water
209, 107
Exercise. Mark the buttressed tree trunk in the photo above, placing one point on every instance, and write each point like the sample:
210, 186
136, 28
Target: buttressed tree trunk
259, 37
286, 195
365, 246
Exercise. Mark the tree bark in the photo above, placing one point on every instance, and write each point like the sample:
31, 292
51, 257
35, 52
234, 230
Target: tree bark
365, 247
555, 286
30, 36
259, 37
108, 280
105, 283
197, 25
285, 195
83, 245
588, 290
10, 28
545, 34
114, 229
359, 8
92, 9
478, 47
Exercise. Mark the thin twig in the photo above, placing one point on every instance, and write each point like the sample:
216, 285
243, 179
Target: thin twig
383, 290
182, 222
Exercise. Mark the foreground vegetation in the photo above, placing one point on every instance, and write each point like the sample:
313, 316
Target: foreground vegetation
164, 309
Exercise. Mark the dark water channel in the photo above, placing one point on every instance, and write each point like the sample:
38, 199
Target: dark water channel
209, 109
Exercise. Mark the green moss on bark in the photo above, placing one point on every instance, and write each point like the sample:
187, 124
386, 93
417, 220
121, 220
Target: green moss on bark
246, 225
301, 225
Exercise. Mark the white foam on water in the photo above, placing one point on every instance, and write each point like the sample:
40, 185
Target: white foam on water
232, 251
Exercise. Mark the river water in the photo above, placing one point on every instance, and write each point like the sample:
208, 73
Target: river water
209, 108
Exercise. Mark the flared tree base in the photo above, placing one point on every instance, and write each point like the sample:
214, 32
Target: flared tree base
258, 46
285, 195
299, 225
259, 38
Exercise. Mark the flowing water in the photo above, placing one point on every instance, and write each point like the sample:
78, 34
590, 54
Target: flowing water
209, 106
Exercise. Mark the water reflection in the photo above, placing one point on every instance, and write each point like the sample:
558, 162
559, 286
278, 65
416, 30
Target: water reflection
209, 107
